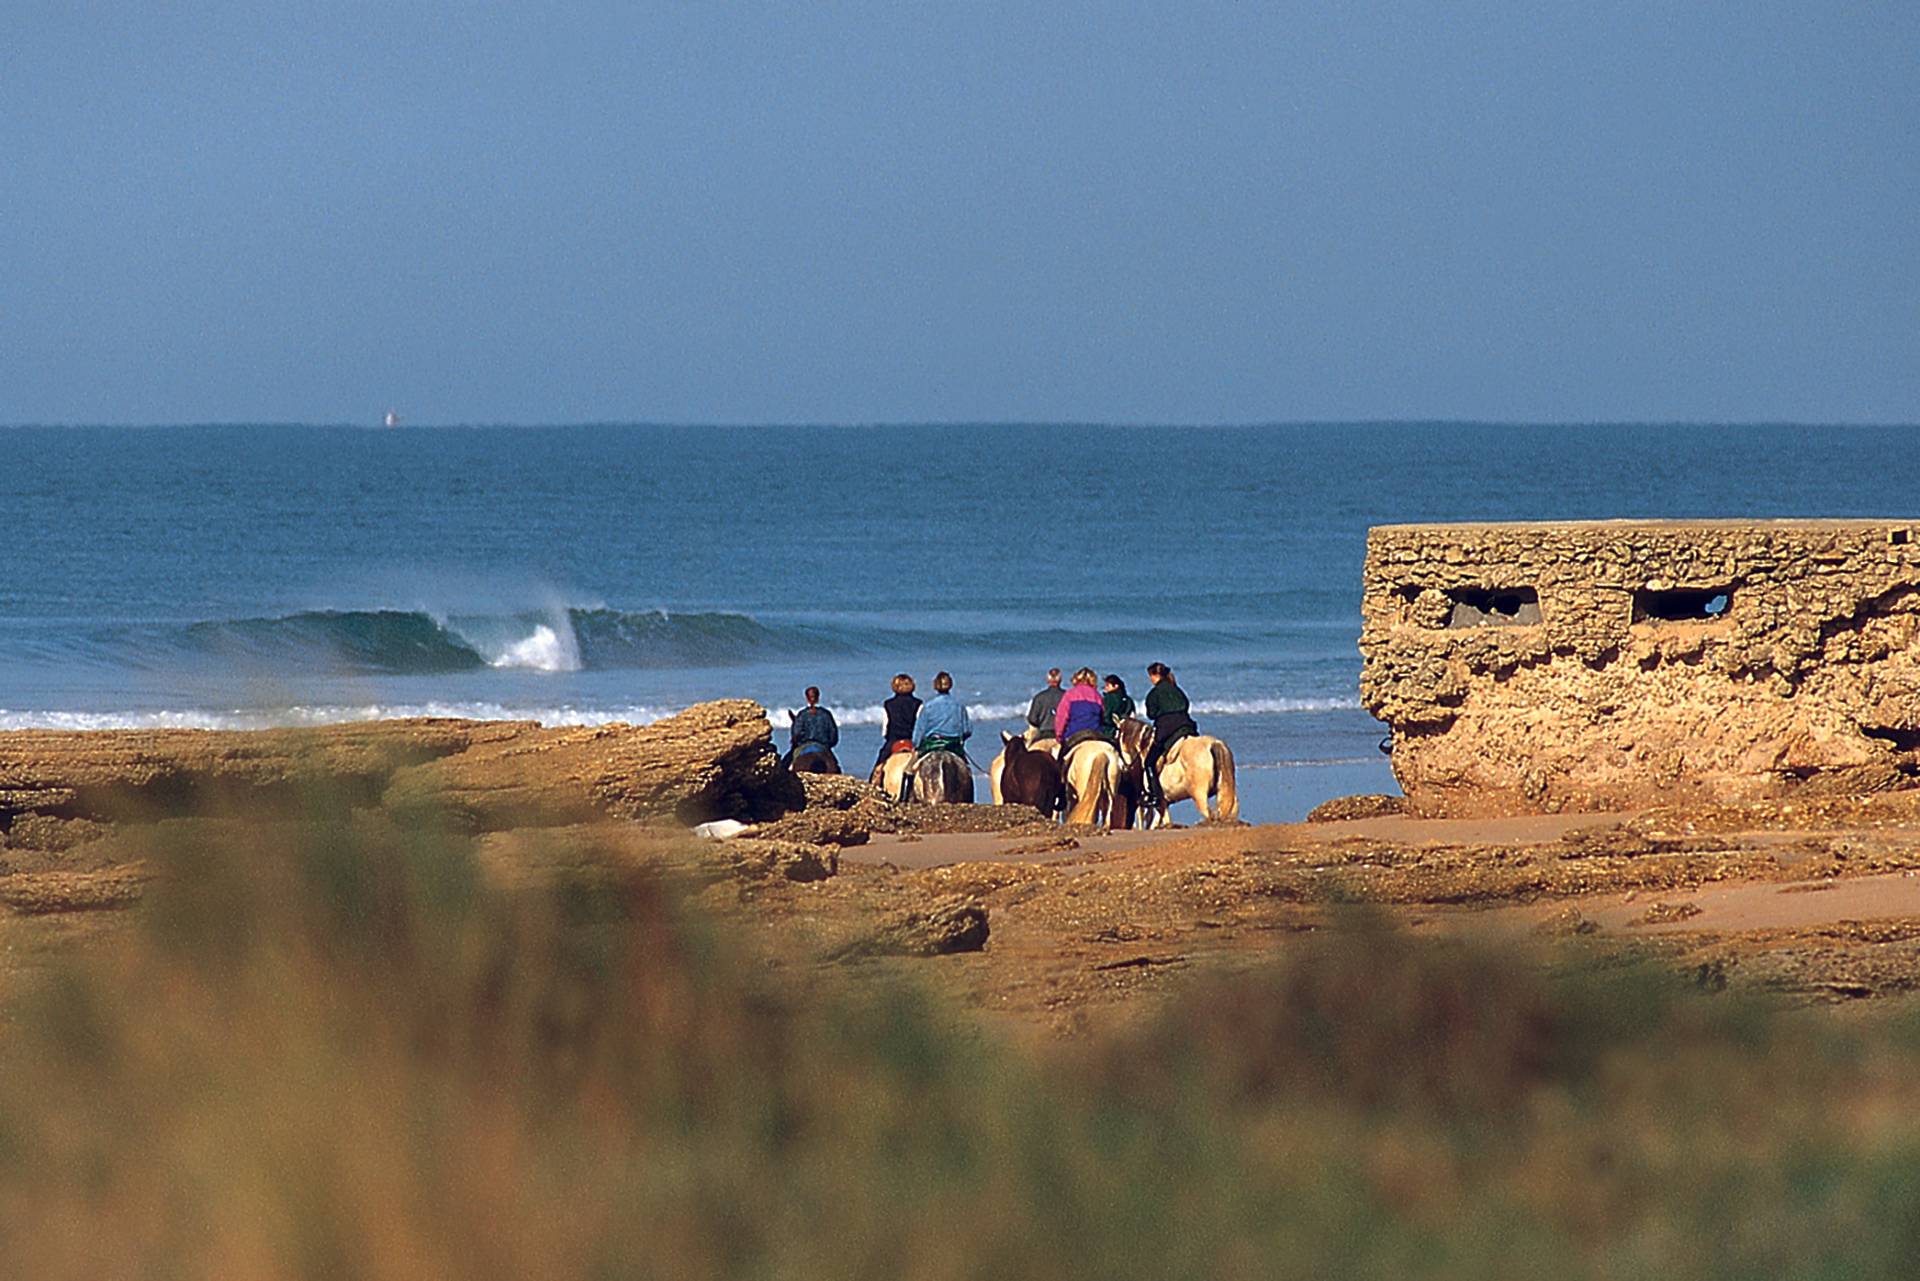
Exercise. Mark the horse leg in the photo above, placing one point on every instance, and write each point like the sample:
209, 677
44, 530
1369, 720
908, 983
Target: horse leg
1202, 785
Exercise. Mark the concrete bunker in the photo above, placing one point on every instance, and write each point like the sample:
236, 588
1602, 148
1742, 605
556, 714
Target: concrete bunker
1493, 607
1681, 604
1526, 668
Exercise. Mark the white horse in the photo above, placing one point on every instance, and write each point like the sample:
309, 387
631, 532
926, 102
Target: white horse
1198, 768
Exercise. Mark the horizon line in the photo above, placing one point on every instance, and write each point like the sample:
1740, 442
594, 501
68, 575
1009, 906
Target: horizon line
954, 423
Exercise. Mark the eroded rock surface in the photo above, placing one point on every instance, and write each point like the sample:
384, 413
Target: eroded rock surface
1616, 664
713, 760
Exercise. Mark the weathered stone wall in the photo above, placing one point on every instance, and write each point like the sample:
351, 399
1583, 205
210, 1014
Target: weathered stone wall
1615, 664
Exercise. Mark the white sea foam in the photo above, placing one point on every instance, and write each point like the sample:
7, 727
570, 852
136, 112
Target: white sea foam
632, 714
339, 714
547, 650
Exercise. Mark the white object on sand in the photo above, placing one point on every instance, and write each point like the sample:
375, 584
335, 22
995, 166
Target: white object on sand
720, 829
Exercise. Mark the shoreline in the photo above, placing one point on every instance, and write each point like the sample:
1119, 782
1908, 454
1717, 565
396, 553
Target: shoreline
1811, 900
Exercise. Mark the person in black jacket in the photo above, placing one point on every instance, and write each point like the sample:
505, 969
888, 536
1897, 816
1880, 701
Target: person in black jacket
902, 710
1167, 709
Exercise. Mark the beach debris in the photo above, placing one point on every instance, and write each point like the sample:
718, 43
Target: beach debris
720, 829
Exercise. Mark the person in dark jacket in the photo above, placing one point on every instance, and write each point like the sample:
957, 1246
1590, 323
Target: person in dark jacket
1167, 709
813, 727
1118, 702
902, 710
1040, 711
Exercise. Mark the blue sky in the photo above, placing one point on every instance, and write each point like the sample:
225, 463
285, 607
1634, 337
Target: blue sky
863, 212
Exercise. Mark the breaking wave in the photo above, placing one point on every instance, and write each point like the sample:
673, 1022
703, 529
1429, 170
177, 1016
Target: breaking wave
413, 642
570, 639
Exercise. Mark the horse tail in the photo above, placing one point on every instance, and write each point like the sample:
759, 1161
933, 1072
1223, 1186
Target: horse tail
1090, 781
1229, 811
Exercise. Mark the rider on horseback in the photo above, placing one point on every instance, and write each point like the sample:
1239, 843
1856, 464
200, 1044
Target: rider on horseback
813, 729
1040, 711
943, 725
1081, 714
901, 710
1167, 709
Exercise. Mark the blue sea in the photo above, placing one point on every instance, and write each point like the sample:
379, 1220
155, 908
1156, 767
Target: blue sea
242, 576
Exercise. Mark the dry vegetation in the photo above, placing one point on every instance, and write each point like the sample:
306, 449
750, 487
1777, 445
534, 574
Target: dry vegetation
341, 1046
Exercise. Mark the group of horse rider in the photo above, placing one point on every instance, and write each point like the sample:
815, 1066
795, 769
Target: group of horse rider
1088, 708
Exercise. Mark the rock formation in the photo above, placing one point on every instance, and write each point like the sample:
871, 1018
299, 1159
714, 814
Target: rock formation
712, 760
1614, 664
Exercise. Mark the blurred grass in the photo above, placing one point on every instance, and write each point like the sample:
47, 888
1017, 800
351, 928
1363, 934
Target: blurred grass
331, 1049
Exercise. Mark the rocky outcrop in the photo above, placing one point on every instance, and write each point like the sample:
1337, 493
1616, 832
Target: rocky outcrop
142, 775
713, 760
1616, 664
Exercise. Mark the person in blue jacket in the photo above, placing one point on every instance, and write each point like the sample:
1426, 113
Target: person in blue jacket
943, 725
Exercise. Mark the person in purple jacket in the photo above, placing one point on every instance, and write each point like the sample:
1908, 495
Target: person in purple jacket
1081, 713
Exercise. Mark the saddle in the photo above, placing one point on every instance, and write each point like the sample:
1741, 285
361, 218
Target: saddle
1087, 736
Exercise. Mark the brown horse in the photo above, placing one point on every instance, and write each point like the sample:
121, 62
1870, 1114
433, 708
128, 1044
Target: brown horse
814, 758
1027, 776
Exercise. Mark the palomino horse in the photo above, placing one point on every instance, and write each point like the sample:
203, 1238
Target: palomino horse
1092, 772
1023, 775
892, 774
1198, 768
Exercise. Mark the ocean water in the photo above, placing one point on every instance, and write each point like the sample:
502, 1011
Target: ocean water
250, 576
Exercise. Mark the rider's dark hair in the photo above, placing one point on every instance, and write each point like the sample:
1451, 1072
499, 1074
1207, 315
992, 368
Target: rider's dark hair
942, 683
1161, 670
1116, 682
813, 693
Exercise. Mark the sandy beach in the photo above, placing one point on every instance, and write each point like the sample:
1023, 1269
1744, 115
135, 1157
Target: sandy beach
1815, 900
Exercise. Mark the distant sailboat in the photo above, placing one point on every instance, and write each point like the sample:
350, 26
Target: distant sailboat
393, 419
